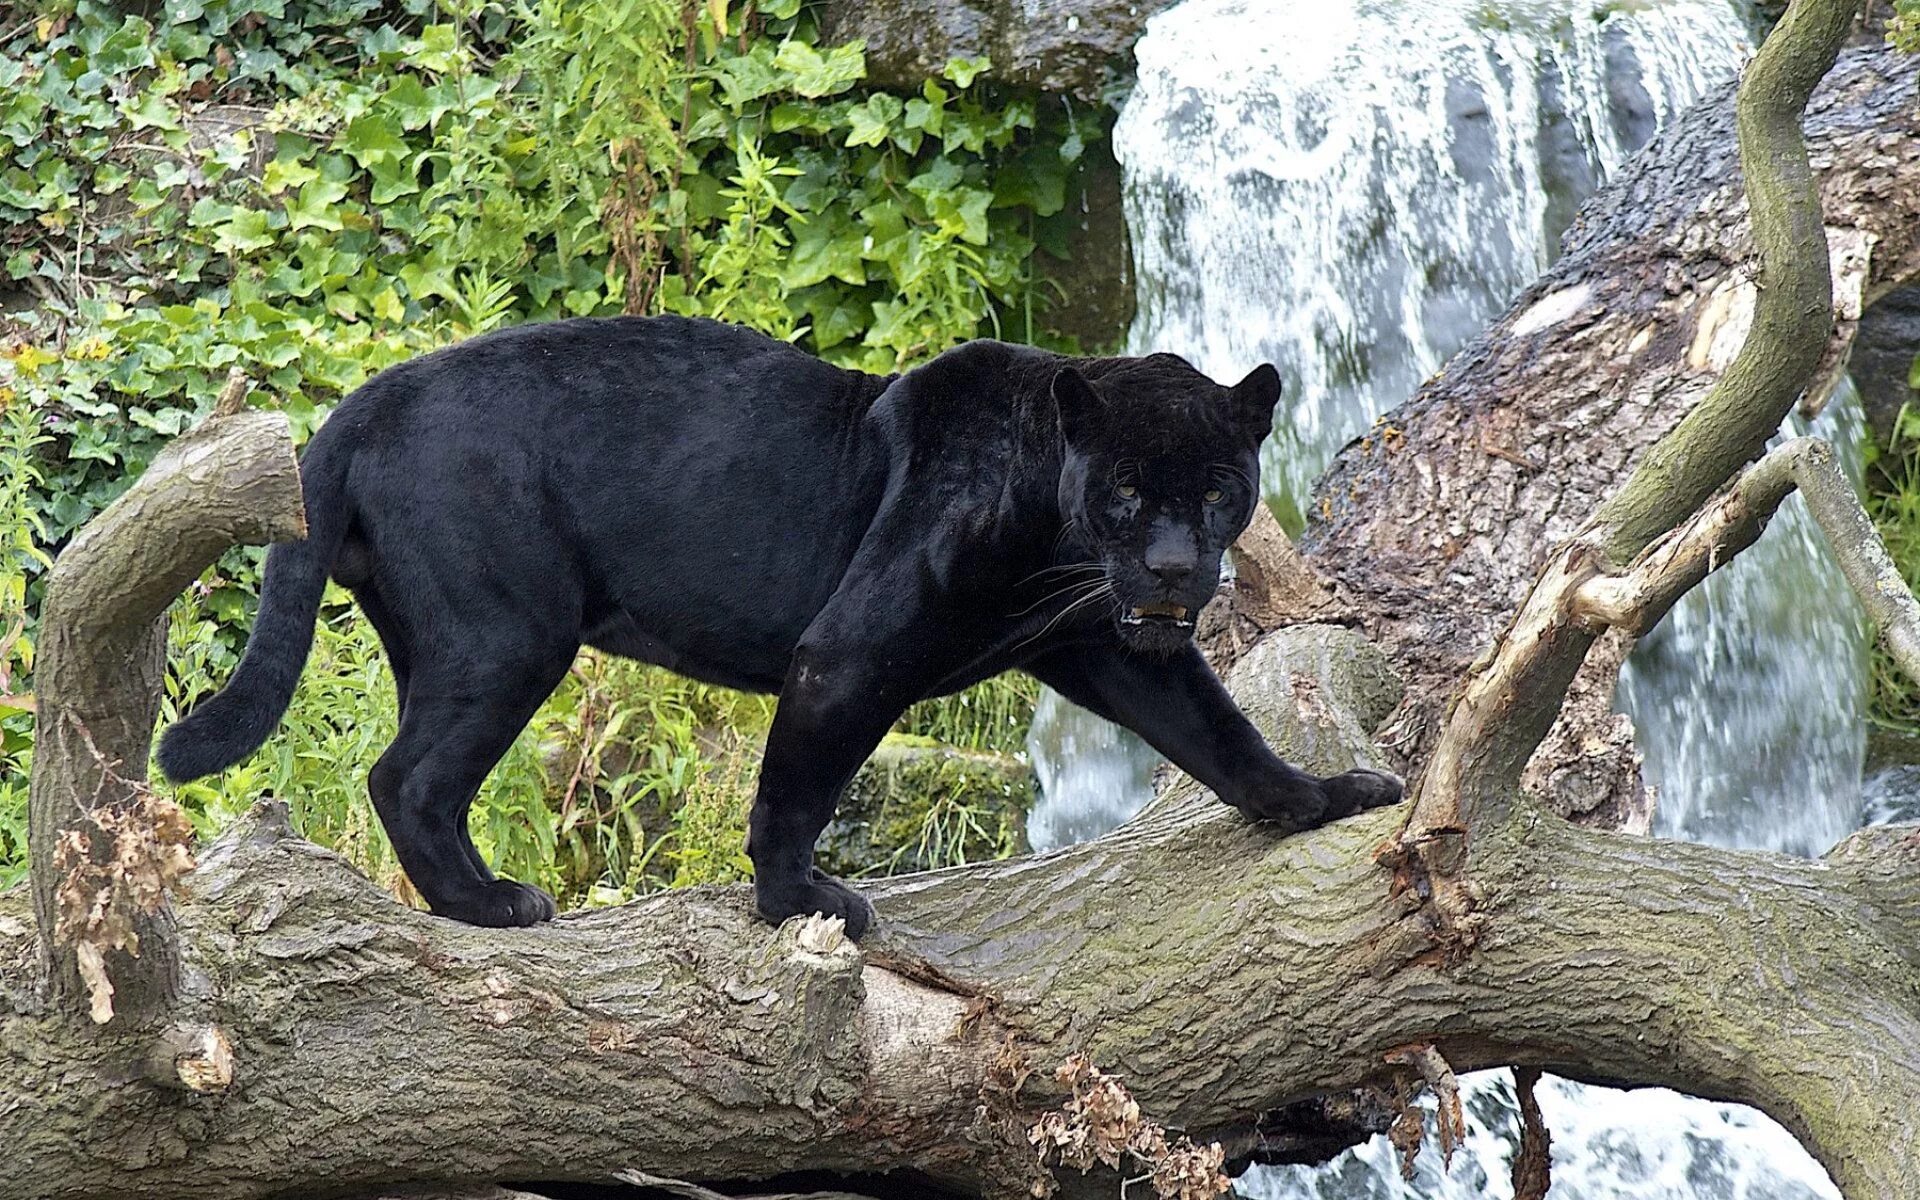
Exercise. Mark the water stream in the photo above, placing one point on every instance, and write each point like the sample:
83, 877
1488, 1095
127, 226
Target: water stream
1351, 189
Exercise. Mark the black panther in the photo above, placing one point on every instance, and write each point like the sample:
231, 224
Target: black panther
699, 496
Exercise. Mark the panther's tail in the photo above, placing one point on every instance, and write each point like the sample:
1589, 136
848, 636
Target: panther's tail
231, 724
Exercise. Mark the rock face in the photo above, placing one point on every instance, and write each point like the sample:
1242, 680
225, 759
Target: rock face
1077, 47
1883, 354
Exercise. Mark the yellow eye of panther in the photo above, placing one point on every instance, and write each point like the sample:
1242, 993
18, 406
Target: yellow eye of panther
1213, 495
1127, 491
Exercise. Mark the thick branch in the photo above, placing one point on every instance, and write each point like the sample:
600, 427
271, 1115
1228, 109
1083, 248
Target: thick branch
1507, 707
96, 857
1438, 535
1793, 312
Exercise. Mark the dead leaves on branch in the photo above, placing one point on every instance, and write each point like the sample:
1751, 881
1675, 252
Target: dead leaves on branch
1102, 1124
1449, 1118
111, 876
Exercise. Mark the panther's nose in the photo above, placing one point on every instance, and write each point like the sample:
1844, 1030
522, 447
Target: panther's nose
1172, 566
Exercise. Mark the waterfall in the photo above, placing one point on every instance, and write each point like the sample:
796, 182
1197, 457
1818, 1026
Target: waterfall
1352, 189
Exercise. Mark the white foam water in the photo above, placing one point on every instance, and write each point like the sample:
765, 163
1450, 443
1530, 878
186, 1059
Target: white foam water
1351, 189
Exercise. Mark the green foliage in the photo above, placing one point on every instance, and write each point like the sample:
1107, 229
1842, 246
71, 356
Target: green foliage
1904, 32
993, 715
1893, 500
316, 189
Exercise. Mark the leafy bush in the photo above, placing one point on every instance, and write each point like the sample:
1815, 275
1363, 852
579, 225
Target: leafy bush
316, 189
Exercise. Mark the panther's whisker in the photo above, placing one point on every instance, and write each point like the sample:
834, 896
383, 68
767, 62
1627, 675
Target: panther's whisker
1056, 594
1062, 569
1105, 590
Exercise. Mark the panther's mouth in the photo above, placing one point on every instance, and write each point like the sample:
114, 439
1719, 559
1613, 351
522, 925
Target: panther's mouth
1159, 613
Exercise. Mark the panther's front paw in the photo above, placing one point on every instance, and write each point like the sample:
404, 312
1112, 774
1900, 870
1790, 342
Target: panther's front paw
500, 904
1296, 804
820, 893
1360, 789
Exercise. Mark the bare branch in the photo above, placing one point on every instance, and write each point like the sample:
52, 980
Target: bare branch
101, 658
1637, 599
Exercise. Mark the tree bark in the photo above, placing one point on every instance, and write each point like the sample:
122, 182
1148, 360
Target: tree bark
374, 1045
1437, 524
103, 846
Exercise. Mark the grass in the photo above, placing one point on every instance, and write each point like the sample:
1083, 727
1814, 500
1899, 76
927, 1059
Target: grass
1893, 501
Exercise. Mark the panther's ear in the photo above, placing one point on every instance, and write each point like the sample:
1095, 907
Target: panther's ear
1253, 399
1076, 402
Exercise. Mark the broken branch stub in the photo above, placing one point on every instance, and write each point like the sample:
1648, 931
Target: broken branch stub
105, 848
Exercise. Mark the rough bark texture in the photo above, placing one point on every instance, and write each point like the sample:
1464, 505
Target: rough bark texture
1439, 531
102, 656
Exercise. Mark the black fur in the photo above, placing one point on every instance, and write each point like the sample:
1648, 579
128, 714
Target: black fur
708, 499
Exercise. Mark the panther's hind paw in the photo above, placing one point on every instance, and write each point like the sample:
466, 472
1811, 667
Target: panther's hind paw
501, 904
1360, 789
822, 894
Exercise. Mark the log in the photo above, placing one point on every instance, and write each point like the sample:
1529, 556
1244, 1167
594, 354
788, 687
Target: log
374, 1045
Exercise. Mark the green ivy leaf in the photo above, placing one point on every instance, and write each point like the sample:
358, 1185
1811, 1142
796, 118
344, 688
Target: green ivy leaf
816, 74
827, 246
413, 105
963, 71
1913, 374
871, 122
245, 231
372, 138
747, 77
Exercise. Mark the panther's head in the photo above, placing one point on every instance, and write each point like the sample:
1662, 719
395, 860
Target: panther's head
1161, 472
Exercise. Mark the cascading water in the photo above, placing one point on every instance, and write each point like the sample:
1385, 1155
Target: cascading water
1351, 189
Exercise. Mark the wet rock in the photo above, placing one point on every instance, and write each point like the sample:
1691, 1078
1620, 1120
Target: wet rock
1080, 47
1090, 281
1883, 354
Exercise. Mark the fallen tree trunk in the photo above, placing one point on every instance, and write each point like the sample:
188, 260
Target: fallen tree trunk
312, 1034
373, 1044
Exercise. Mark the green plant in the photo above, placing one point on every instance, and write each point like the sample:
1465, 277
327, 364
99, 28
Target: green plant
1893, 500
1904, 31
992, 715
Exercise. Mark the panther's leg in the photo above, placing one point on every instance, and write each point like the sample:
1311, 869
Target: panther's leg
1179, 706
392, 633
450, 737
834, 709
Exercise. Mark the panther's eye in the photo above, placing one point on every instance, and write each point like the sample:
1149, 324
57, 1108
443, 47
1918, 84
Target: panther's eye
1127, 491
1213, 495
